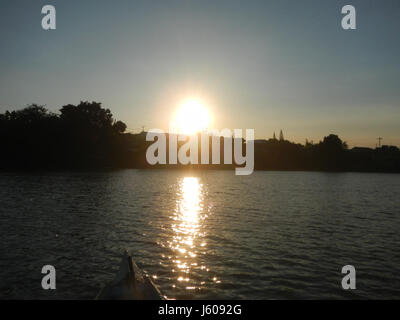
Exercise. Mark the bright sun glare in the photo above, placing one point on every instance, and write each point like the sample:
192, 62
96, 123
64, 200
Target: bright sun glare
191, 117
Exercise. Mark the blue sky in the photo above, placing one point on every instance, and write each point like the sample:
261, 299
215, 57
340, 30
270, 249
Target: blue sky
267, 65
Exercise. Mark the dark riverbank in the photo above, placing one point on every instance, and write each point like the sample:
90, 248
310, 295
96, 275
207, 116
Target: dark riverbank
86, 137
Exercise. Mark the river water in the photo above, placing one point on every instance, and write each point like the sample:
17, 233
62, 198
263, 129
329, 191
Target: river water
202, 234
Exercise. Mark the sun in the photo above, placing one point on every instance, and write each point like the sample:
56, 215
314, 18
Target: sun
191, 117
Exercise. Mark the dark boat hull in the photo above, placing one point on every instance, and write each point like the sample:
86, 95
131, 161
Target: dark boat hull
130, 283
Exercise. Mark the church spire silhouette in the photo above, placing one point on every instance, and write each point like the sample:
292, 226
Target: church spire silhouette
281, 138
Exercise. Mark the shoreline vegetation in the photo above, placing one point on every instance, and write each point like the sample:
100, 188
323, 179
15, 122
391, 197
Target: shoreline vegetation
85, 137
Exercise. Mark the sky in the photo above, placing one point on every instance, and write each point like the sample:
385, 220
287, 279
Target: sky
266, 65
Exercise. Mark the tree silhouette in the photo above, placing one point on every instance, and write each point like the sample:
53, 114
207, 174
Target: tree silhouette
333, 143
119, 127
85, 136
87, 114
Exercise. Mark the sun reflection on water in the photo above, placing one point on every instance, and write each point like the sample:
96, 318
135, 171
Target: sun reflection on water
187, 232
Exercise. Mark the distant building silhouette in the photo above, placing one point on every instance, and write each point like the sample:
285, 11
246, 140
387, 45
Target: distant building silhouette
281, 138
86, 136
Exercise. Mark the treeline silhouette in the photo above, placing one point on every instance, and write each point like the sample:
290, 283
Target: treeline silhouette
330, 154
86, 136
81, 136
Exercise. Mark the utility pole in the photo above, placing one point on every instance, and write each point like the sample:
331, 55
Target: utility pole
379, 141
